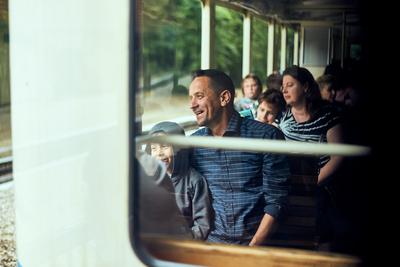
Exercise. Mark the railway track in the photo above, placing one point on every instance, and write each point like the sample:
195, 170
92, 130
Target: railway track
5, 169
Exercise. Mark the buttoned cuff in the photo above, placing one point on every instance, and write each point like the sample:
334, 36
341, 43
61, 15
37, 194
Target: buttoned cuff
273, 210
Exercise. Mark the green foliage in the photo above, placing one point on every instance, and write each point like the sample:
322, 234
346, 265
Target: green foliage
277, 47
259, 48
289, 47
171, 40
4, 64
228, 43
171, 34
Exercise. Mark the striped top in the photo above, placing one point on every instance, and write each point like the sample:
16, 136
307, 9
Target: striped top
314, 130
244, 185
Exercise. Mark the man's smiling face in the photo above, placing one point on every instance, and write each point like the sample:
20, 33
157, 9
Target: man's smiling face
204, 102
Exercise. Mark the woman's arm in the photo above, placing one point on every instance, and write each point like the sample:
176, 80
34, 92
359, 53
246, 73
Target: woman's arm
334, 135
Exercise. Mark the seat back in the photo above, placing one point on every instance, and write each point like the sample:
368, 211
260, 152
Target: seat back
298, 228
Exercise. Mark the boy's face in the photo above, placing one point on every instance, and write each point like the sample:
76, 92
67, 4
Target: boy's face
327, 94
267, 112
165, 153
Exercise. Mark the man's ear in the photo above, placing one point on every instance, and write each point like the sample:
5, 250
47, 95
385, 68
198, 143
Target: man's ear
225, 97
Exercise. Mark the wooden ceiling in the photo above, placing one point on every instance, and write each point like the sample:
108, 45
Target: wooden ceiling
303, 10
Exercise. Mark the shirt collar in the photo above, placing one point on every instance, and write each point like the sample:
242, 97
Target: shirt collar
234, 123
233, 128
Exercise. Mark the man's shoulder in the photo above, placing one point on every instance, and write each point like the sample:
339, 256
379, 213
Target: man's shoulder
200, 132
259, 128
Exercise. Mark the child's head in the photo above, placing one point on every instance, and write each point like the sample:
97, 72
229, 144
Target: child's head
165, 152
328, 86
274, 81
251, 86
270, 105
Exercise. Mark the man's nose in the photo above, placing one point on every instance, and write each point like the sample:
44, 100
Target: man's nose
193, 103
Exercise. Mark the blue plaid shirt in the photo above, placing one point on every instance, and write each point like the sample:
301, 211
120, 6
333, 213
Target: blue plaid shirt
244, 185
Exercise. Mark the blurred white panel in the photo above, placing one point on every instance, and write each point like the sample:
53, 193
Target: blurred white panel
316, 46
69, 90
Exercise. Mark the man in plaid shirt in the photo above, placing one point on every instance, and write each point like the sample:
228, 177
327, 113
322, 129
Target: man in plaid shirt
248, 190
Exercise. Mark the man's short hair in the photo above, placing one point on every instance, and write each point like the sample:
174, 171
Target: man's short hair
219, 80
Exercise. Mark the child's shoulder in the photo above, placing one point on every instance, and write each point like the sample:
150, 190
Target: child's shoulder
196, 178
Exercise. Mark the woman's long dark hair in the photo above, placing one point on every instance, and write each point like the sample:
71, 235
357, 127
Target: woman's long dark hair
312, 95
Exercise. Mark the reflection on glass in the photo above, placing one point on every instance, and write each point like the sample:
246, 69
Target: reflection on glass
159, 215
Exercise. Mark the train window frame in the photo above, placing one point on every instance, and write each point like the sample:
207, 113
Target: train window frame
135, 129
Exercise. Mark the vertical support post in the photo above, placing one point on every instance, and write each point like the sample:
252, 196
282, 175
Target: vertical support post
302, 38
342, 54
246, 60
283, 48
270, 54
330, 46
207, 33
296, 47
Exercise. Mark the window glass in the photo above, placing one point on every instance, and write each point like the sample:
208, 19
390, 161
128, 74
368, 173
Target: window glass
316, 46
171, 43
237, 182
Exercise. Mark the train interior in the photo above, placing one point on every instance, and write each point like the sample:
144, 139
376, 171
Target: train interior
81, 81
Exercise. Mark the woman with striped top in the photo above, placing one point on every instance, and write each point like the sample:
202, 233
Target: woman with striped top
308, 118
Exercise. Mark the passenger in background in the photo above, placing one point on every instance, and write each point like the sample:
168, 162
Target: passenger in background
249, 190
191, 191
274, 81
348, 186
328, 86
309, 119
347, 92
271, 107
251, 89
